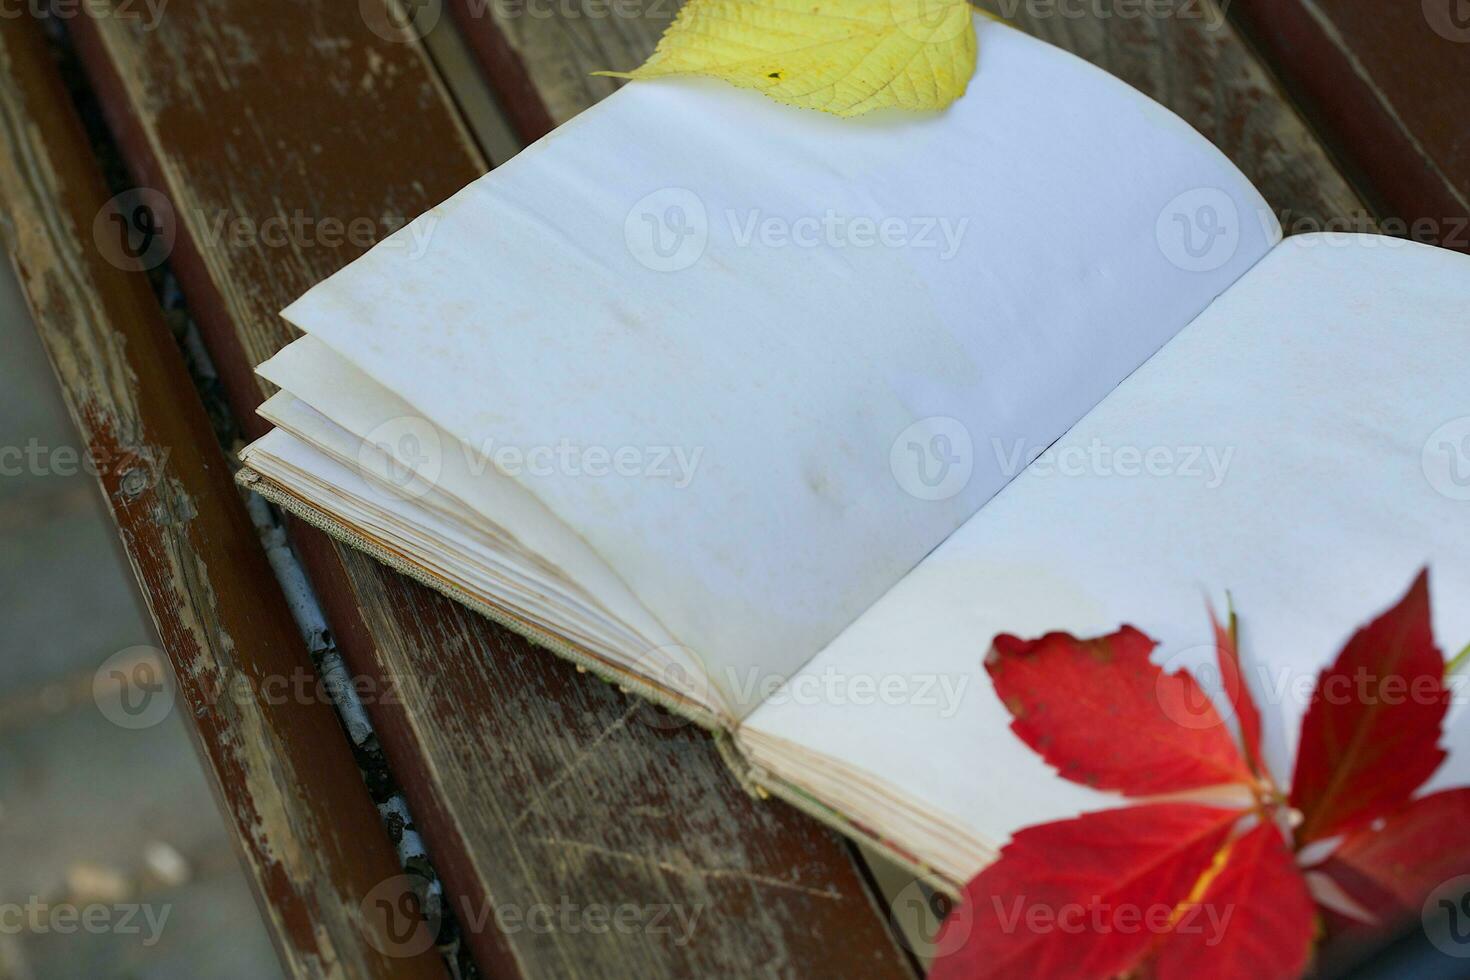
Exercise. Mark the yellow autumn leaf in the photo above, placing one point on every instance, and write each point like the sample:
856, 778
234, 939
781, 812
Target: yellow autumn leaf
846, 57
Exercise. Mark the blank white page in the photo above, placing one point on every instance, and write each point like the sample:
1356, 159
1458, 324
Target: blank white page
778, 295
1336, 376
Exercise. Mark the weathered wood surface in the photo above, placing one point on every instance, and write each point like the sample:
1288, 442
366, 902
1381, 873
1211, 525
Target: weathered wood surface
536, 787
543, 795
539, 57
309, 837
1195, 63
1191, 60
1388, 87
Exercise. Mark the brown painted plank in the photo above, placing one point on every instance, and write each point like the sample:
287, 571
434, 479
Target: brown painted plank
539, 58
1388, 85
543, 795
309, 837
1191, 60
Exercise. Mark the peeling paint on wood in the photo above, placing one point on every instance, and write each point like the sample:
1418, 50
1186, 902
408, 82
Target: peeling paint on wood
306, 831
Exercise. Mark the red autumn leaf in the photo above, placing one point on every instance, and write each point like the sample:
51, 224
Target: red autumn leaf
1390, 871
1371, 734
1253, 918
1081, 898
1232, 679
1105, 716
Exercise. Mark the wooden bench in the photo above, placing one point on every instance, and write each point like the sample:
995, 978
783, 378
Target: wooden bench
533, 787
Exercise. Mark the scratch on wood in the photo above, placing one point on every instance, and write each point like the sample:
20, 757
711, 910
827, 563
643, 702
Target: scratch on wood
189, 543
587, 751
730, 874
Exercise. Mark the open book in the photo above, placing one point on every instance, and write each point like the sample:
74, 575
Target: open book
780, 418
